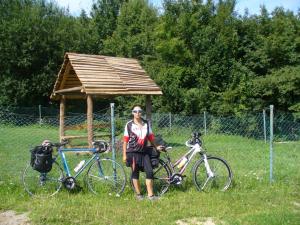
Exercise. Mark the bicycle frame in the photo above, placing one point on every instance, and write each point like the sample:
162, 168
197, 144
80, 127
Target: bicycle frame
102, 171
61, 152
189, 155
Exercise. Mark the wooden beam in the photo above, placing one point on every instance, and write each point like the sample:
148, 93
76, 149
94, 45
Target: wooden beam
71, 85
75, 97
121, 92
84, 136
62, 107
68, 90
90, 119
64, 78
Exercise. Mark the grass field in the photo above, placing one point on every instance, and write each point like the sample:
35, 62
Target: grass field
252, 199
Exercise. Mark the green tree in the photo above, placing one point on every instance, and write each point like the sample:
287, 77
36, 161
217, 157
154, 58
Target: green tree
196, 47
104, 19
202, 53
34, 37
133, 35
280, 88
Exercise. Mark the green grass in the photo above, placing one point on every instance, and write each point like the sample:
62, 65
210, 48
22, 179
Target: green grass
251, 199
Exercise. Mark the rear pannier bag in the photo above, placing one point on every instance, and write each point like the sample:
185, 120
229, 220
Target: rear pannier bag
41, 158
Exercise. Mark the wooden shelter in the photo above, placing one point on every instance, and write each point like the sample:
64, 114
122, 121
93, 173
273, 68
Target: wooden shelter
96, 76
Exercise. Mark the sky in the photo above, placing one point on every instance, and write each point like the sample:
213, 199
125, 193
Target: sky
253, 6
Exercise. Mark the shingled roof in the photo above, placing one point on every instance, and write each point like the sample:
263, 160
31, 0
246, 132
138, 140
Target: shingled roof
99, 75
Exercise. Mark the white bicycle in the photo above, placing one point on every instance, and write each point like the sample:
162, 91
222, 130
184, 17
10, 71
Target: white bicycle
209, 172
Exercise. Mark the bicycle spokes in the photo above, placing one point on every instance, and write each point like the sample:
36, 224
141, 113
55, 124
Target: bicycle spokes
212, 174
107, 176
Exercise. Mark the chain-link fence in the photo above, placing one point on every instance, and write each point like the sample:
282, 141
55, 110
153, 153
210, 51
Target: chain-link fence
256, 126
244, 140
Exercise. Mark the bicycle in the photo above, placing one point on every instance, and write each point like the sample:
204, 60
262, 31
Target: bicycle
209, 172
103, 174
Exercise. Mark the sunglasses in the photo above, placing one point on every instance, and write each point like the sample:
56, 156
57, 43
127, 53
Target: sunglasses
137, 111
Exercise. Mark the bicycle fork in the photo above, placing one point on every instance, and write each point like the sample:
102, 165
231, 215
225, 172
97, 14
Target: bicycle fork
208, 170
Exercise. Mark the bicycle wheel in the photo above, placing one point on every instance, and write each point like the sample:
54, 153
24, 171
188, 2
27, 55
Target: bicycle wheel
222, 175
106, 176
161, 178
42, 184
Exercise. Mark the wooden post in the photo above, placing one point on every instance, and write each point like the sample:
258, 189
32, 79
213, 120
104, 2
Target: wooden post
62, 107
148, 108
90, 120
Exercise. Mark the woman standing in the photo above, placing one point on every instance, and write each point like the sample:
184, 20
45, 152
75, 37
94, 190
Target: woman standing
137, 133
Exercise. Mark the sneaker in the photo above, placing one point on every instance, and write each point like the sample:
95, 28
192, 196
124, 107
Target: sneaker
153, 198
139, 197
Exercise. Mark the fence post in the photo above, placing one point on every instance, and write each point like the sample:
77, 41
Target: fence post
265, 127
204, 115
40, 114
170, 121
271, 141
112, 120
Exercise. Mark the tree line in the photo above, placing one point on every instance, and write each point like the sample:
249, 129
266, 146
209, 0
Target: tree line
204, 55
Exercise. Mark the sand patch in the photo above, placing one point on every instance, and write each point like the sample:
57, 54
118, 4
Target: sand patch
11, 218
296, 204
196, 221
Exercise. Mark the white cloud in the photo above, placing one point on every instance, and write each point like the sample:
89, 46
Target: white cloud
75, 6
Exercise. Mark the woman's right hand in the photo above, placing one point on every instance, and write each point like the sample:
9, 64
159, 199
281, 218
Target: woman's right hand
124, 158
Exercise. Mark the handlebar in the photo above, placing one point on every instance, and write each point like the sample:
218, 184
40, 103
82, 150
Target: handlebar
188, 144
191, 143
195, 139
164, 148
59, 144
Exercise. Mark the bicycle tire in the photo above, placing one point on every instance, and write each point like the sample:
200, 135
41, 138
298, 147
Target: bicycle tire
106, 176
222, 174
161, 179
42, 185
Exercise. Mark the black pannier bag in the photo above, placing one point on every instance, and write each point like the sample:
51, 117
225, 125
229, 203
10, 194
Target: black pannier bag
154, 156
41, 158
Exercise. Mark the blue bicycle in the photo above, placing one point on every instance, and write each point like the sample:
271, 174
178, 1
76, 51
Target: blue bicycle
104, 175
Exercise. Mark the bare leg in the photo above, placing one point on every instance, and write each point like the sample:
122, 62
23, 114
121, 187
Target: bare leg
137, 186
149, 184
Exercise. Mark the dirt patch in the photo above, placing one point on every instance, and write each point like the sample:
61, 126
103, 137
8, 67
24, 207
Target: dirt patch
11, 218
296, 204
196, 221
